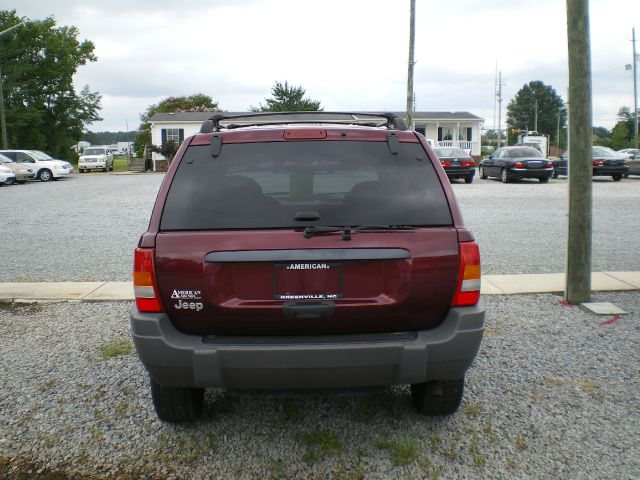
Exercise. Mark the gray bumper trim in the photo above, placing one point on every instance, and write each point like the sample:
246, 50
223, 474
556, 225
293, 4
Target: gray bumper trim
176, 359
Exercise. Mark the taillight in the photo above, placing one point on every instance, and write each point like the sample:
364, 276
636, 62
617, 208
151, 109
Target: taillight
549, 164
468, 164
519, 165
144, 285
468, 285
445, 164
598, 163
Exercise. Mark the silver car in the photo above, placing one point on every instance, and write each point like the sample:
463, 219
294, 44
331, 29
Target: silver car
21, 171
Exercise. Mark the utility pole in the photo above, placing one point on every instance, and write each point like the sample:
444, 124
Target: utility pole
635, 85
499, 95
535, 114
578, 275
558, 135
412, 39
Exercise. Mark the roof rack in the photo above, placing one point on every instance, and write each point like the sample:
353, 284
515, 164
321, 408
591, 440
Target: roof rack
389, 120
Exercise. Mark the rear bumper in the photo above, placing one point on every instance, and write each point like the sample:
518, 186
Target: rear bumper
330, 361
531, 173
610, 170
459, 172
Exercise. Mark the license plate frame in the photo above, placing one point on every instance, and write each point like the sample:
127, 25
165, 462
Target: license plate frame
331, 272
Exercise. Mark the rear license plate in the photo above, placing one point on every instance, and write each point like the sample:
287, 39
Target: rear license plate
308, 281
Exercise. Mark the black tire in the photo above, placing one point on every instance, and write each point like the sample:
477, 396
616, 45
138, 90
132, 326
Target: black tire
555, 174
176, 404
105, 169
440, 397
617, 177
21, 182
45, 175
504, 176
482, 173
468, 179
10, 182
544, 179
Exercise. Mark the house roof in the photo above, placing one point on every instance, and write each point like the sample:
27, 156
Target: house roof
197, 117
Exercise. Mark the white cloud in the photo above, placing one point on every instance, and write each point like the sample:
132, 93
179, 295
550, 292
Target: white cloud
347, 54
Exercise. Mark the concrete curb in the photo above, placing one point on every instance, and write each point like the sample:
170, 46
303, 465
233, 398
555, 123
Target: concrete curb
491, 285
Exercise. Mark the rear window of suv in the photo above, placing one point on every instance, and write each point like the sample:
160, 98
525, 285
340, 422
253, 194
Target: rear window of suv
330, 183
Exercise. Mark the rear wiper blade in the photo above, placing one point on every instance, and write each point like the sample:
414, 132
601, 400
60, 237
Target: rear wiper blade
311, 230
373, 228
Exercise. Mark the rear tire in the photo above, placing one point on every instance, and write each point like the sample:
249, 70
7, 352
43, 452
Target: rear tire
504, 176
439, 397
468, 179
177, 404
617, 177
482, 173
555, 174
544, 180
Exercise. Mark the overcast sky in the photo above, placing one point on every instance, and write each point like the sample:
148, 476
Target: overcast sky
348, 54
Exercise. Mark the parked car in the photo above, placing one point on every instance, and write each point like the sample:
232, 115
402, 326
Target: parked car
95, 158
456, 163
632, 156
510, 163
606, 162
305, 255
21, 171
7, 177
44, 166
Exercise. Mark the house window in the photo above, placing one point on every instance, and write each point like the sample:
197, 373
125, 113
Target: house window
421, 129
172, 135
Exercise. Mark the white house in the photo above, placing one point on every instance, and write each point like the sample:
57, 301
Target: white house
460, 129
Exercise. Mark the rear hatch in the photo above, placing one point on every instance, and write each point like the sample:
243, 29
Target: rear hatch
306, 237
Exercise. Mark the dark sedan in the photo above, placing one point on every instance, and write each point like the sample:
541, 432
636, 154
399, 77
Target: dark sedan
456, 163
510, 163
606, 162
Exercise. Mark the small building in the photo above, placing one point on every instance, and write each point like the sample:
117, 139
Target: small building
445, 129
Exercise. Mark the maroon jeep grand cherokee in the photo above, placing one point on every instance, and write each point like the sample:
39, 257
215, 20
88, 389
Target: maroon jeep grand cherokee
302, 250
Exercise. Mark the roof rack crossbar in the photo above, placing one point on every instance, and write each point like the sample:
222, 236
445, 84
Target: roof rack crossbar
212, 124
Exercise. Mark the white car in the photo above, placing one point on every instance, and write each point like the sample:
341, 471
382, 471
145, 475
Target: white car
45, 167
96, 158
6, 175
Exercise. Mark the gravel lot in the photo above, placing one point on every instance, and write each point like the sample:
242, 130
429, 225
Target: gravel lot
553, 394
85, 228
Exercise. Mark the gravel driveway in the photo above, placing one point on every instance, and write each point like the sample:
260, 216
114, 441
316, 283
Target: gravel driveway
85, 228
553, 394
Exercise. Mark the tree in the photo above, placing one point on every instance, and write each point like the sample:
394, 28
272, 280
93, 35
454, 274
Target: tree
490, 137
601, 136
43, 110
536, 98
197, 102
622, 133
287, 98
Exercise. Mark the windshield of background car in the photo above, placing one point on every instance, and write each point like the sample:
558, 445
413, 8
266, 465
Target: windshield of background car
450, 152
523, 152
268, 185
604, 152
40, 155
93, 151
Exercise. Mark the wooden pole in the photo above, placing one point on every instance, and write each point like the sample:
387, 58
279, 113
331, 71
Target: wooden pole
412, 39
578, 275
